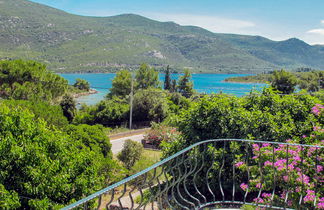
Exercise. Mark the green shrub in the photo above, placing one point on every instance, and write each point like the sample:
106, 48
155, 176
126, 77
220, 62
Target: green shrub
130, 153
52, 114
47, 166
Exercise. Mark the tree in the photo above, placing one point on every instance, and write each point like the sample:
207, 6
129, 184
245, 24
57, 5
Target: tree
147, 77
29, 80
173, 86
68, 106
167, 80
150, 105
130, 153
121, 84
284, 81
51, 114
46, 165
82, 84
185, 85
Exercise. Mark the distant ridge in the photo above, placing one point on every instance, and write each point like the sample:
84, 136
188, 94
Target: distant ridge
70, 43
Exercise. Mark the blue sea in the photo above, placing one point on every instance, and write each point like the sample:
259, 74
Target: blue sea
203, 83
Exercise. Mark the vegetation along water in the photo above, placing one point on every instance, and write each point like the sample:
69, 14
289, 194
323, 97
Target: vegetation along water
203, 83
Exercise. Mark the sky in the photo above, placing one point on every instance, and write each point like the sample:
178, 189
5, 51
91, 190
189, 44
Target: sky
274, 19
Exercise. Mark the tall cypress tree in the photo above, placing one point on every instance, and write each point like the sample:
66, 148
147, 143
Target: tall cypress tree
173, 88
167, 79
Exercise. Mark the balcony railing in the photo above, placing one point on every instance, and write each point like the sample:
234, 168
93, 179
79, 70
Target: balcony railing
222, 173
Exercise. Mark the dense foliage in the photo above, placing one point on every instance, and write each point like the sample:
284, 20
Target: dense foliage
82, 84
284, 81
121, 84
68, 106
51, 114
310, 80
150, 105
268, 116
147, 77
29, 80
113, 112
44, 168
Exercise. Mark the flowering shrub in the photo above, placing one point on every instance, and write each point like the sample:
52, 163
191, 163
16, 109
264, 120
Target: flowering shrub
294, 172
297, 172
161, 133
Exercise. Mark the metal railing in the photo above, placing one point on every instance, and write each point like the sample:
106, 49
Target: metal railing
219, 173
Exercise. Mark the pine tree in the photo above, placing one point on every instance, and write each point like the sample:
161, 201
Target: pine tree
185, 85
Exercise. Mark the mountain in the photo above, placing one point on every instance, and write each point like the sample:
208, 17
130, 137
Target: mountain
67, 42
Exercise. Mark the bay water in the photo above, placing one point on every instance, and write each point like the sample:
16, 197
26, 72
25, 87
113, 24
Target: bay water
203, 83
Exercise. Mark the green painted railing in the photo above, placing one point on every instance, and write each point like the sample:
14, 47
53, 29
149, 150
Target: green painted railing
221, 173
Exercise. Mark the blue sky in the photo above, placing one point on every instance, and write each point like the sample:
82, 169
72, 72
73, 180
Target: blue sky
274, 19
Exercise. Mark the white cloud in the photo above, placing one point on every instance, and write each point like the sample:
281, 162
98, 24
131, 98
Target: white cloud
318, 31
211, 23
322, 21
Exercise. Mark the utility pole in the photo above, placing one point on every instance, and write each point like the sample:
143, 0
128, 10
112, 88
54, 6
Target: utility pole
131, 102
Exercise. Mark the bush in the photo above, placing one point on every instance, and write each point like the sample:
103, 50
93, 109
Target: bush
92, 137
47, 166
130, 153
161, 133
52, 114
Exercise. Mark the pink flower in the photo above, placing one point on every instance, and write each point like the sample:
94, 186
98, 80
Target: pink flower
320, 205
304, 136
239, 164
244, 186
258, 200
317, 109
255, 147
319, 168
302, 178
310, 196
285, 178
258, 185
265, 145
297, 158
267, 163
266, 195
316, 128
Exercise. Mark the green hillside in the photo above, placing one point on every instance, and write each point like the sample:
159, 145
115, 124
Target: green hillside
67, 42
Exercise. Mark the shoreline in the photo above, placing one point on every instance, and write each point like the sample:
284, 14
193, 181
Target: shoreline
90, 92
244, 82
